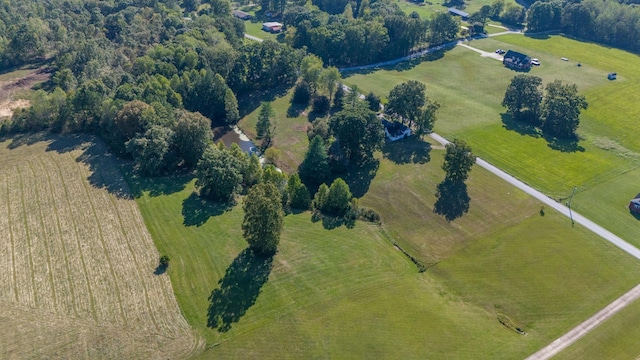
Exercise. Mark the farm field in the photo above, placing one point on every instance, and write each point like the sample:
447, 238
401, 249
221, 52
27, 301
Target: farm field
428, 8
614, 339
473, 112
77, 263
332, 291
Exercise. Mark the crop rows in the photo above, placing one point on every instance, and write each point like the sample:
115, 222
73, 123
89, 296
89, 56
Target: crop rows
81, 255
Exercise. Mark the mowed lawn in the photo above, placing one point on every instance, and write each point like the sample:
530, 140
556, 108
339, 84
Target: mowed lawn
349, 292
470, 89
617, 338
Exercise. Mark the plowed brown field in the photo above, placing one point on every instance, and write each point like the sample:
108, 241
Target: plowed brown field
76, 260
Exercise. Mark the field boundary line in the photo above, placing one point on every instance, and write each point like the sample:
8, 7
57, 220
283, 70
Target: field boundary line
586, 326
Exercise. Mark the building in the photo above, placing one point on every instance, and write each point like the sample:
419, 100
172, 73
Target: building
612, 76
242, 15
634, 205
517, 61
455, 12
272, 27
395, 130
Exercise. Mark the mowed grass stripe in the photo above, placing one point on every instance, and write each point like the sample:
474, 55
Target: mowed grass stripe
96, 221
8, 276
47, 234
84, 303
61, 241
142, 308
26, 282
98, 275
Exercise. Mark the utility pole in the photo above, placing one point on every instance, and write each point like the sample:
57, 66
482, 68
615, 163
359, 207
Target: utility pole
569, 204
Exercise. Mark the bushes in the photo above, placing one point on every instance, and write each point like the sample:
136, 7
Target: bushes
302, 93
321, 104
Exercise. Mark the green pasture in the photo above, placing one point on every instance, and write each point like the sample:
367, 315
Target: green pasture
428, 8
470, 89
290, 127
616, 338
336, 291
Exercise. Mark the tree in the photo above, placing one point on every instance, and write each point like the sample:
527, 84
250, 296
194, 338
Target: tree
150, 150
192, 136
458, 161
253, 173
310, 70
321, 197
314, 169
406, 101
443, 28
425, 123
218, 175
359, 133
302, 93
523, 97
263, 218
338, 198
263, 126
321, 104
373, 101
338, 98
299, 197
330, 79
231, 107
275, 176
561, 109
320, 127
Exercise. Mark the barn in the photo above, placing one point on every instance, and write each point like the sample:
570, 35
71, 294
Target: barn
272, 27
634, 204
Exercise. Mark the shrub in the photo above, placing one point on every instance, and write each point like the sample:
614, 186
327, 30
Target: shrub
321, 104
302, 93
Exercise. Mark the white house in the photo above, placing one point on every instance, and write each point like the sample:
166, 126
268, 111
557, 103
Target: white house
395, 130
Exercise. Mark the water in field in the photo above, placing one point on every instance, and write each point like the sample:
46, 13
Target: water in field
233, 135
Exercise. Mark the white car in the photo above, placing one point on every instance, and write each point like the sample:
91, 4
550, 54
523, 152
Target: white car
535, 62
564, 59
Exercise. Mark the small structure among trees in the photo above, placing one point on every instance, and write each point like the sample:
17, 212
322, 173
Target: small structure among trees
457, 12
242, 15
516, 61
634, 205
272, 27
395, 130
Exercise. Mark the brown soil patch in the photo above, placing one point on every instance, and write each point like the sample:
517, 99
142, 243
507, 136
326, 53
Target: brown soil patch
8, 107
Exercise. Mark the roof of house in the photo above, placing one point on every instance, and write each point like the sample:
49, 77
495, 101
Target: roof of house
272, 24
241, 14
514, 55
458, 12
394, 128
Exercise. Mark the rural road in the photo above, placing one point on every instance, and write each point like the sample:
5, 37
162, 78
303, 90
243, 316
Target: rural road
579, 331
577, 218
254, 38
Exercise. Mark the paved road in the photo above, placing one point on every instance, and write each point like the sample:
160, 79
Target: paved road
579, 331
254, 38
577, 218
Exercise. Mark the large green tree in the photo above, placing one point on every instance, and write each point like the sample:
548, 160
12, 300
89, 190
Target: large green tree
314, 169
150, 150
406, 101
523, 97
218, 174
458, 161
298, 194
338, 198
192, 136
359, 133
443, 28
561, 109
263, 125
263, 218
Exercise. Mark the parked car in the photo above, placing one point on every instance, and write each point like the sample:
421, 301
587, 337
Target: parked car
535, 62
500, 51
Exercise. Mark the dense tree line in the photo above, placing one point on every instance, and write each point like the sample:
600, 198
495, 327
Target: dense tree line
342, 34
605, 21
132, 71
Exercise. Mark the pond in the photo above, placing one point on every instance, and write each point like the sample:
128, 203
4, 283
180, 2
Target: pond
233, 135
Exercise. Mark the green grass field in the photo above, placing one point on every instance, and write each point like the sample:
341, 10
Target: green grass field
328, 293
617, 338
470, 89
429, 8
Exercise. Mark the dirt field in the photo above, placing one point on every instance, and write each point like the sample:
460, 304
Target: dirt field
16, 83
76, 260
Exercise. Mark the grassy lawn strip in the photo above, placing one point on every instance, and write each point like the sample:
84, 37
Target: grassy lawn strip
616, 338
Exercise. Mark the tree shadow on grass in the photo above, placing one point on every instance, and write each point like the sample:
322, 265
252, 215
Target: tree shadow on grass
527, 129
358, 177
452, 200
249, 102
295, 110
155, 186
332, 222
408, 150
196, 210
238, 290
